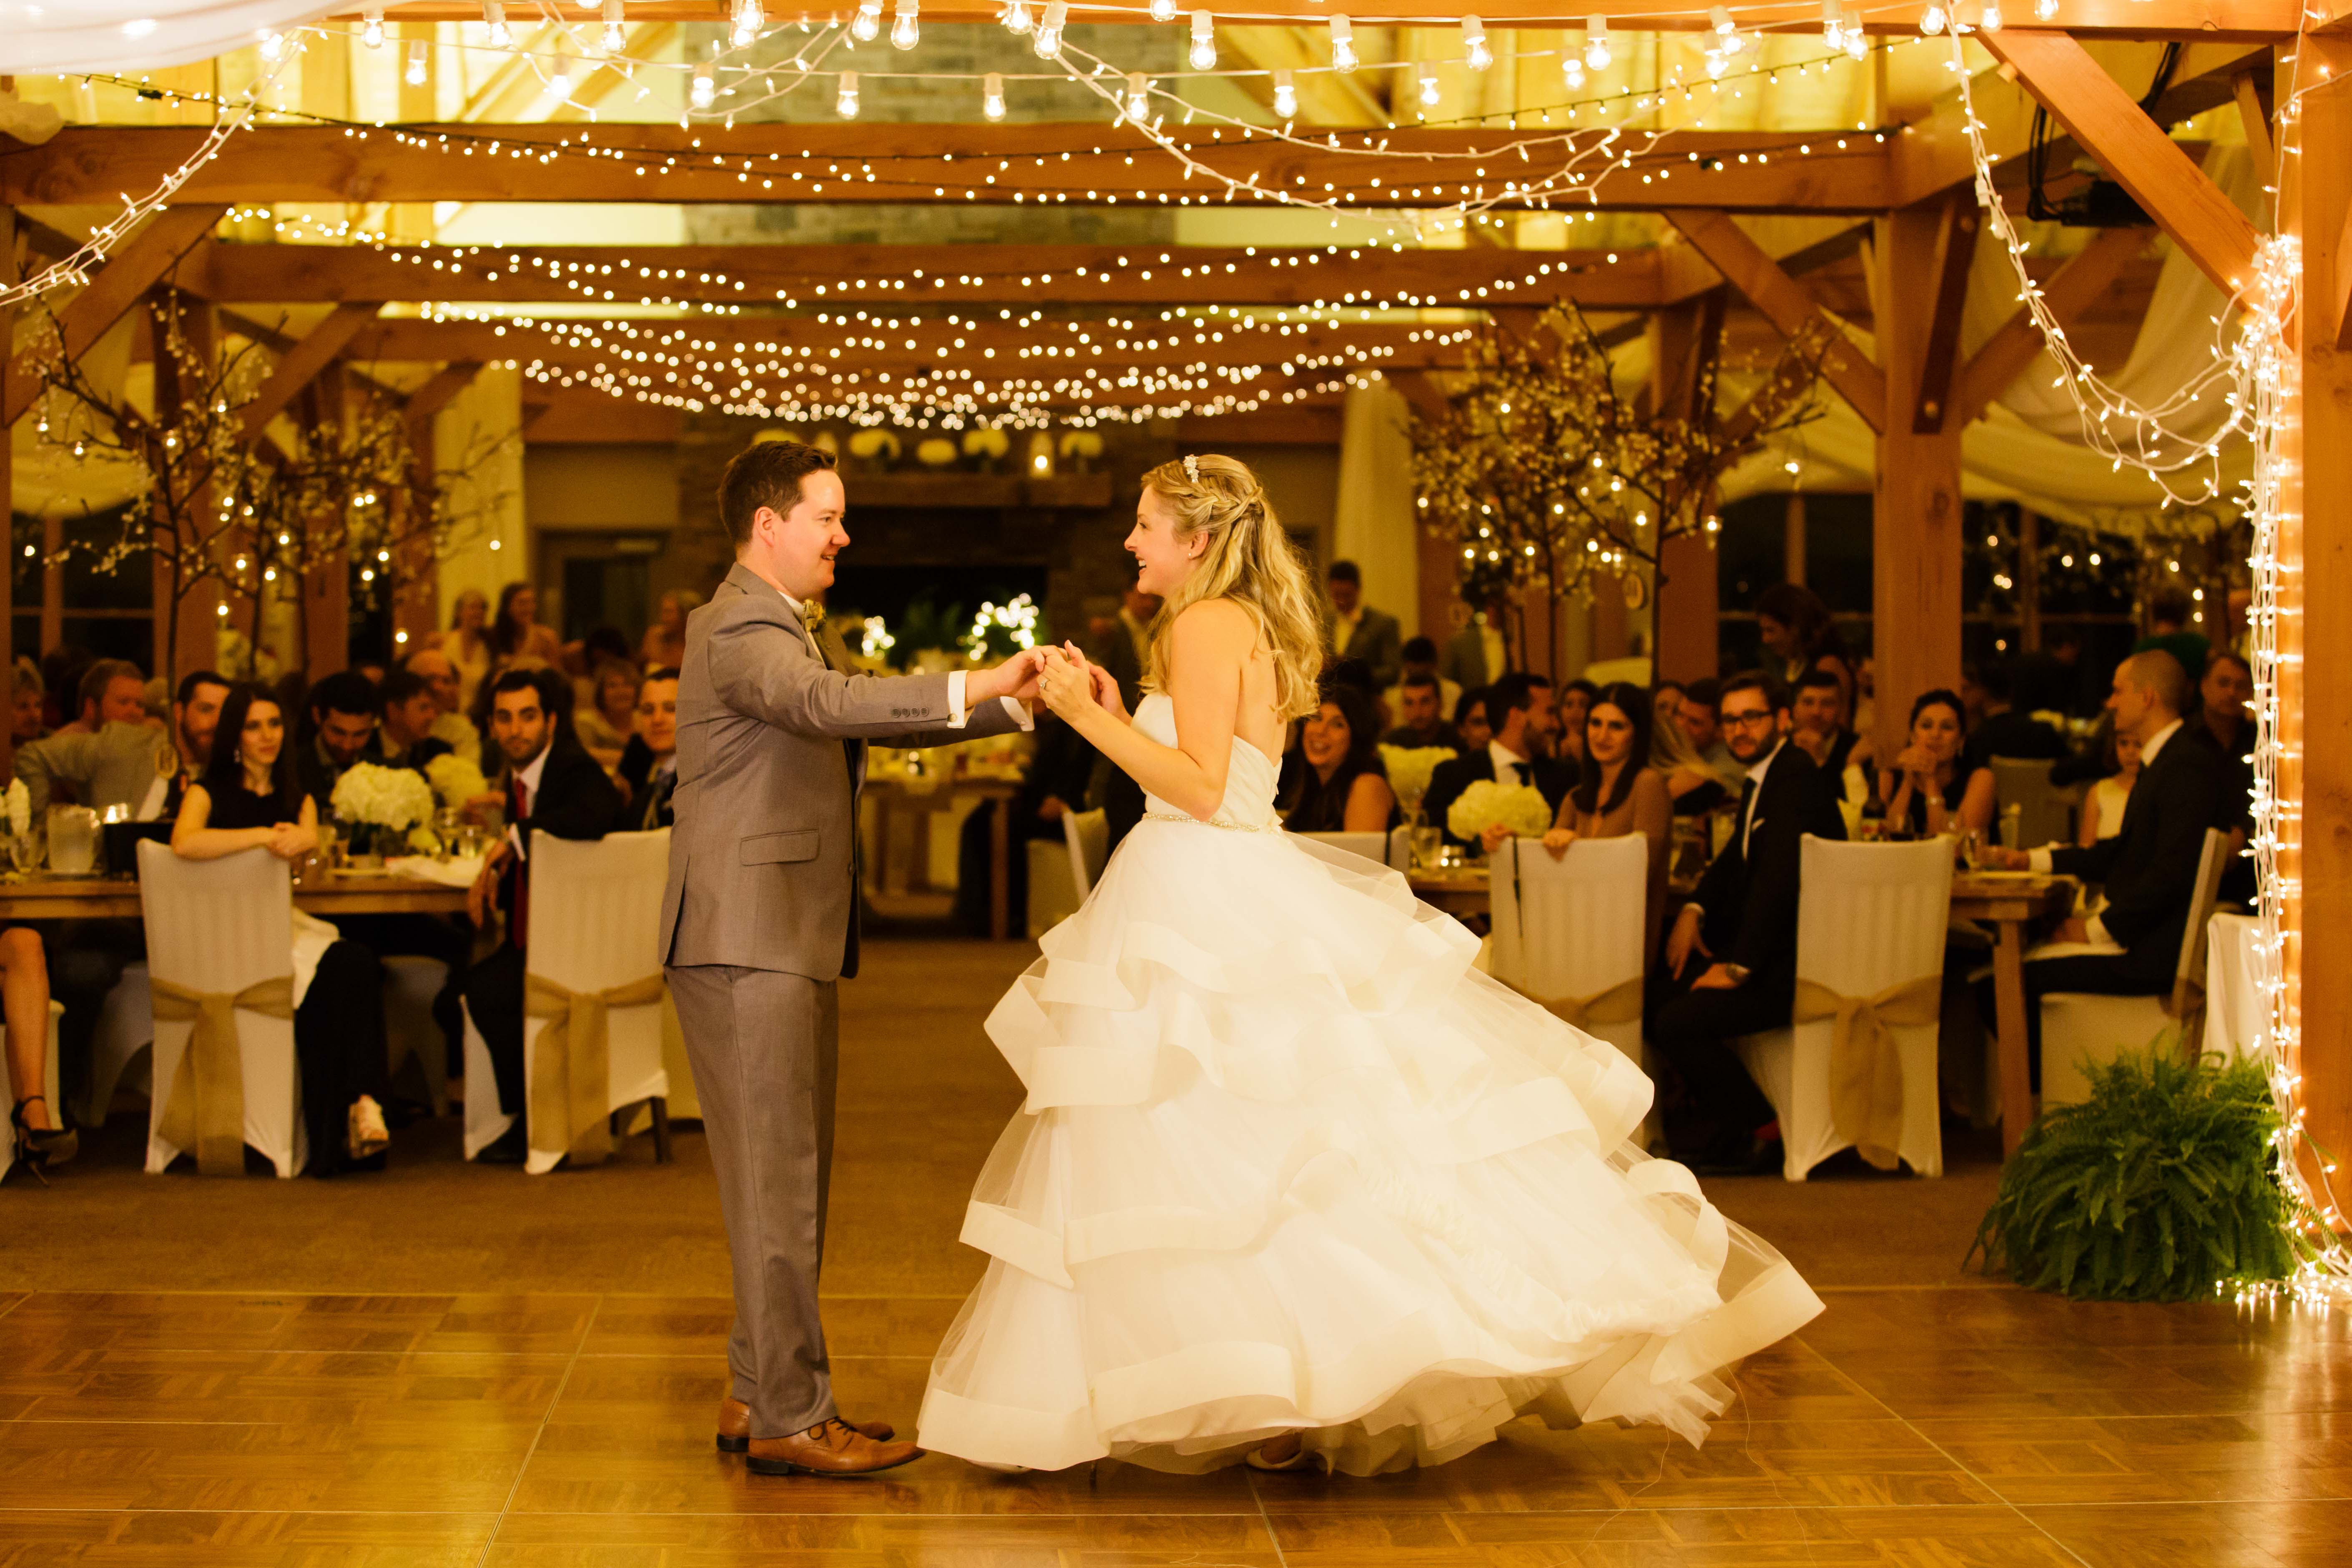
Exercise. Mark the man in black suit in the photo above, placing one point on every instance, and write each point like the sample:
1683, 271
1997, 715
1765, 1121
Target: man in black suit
2226, 727
1743, 919
1520, 707
405, 738
2148, 868
553, 784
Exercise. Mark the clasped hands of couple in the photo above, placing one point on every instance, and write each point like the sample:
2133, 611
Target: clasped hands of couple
1060, 676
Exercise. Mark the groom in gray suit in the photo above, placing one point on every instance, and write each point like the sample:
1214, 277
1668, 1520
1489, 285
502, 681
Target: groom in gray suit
760, 921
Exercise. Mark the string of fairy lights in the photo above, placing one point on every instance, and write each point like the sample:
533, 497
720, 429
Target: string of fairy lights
2256, 373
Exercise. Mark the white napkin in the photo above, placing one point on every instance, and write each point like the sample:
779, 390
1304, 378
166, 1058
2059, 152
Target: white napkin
459, 872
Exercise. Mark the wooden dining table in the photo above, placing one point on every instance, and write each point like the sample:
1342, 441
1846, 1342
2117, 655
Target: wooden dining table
2012, 903
43, 897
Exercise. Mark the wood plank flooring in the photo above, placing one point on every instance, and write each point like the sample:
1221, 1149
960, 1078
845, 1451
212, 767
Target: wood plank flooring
1937, 1424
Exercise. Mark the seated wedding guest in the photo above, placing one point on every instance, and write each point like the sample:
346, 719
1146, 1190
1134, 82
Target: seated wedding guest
467, 646
196, 715
1692, 786
2225, 725
585, 660
1511, 754
649, 763
114, 760
515, 636
1617, 793
605, 725
1344, 786
1470, 726
550, 784
1928, 791
664, 644
434, 668
1731, 958
1666, 704
405, 738
2003, 731
1704, 729
43, 1139
1420, 658
343, 712
2103, 806
1561, 727
1817, 712
2147, 869
30, 722
1421, 717
246, 798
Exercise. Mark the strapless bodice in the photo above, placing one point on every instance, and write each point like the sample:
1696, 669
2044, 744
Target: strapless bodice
1249, 779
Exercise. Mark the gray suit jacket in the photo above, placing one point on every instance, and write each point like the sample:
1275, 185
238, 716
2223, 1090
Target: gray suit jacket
763, 862
1379, 642
115, 766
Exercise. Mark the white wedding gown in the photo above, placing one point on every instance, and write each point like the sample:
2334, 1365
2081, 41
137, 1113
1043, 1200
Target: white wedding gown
1288, 1162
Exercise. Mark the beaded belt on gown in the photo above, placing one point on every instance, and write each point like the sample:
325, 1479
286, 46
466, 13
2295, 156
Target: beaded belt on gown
1220, 820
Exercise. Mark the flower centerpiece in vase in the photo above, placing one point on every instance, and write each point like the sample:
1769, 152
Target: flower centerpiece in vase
1409, 770
1486, 803
379, 805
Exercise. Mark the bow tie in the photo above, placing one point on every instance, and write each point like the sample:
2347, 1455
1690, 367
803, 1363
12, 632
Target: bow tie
811, 614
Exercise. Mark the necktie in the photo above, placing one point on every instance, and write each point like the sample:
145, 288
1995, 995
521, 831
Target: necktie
1747, 813
518, 913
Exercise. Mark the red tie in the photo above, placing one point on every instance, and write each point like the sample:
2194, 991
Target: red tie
518, 917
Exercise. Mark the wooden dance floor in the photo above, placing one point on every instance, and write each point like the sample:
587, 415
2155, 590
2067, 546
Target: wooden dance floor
463, 1366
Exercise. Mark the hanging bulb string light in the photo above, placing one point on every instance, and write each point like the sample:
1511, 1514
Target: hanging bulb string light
2256, 373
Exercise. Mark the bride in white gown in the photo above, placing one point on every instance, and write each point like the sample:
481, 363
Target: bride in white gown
1293, 1182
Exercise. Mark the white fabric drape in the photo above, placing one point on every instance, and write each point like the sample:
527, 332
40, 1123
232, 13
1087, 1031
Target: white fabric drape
2029, 447
1374, 523
122, 35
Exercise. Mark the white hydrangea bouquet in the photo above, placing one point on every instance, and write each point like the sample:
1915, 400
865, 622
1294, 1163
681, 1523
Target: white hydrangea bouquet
380, 804
1409, 769
455, 779
20, 809
1486, 803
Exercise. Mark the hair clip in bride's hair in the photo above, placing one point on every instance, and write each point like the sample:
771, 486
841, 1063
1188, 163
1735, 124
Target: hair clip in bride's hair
1192, 468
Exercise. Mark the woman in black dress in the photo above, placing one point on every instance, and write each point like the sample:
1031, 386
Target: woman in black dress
246, 799
1927, 791
1343, 786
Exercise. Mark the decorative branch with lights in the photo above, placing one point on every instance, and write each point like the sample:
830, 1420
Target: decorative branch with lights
1540, 466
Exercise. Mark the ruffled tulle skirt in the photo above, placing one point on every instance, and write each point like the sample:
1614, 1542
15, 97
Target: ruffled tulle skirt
1288, 1162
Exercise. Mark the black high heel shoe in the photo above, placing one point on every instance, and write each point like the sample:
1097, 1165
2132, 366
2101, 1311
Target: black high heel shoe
42, 1147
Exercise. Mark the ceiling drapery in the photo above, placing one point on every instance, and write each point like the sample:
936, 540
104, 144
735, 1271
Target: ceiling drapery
127, 36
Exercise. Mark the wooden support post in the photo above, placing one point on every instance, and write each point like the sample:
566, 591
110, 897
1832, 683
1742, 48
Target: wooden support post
1915, 515
1956, 252
2314, 770
1792, 539
1684, 341
327, 587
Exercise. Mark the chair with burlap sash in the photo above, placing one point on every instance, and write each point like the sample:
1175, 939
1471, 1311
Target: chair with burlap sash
1569, 933
592, 1008
1856, 1067
220, 960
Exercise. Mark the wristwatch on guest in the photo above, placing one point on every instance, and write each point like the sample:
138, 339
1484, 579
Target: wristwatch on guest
1739, 973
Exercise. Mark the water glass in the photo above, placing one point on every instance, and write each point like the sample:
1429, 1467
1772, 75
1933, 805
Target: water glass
73, 840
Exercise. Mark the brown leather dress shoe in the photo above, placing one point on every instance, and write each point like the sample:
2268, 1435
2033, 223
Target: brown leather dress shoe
735, 1427
830, 1448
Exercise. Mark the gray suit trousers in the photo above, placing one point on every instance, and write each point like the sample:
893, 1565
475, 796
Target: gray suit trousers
764, 1046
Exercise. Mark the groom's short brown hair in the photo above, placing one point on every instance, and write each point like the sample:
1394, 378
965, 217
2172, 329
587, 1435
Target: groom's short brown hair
765, 473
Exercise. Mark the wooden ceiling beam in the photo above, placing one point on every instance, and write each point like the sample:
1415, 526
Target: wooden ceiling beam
1956, 254
136, 266
2017, 342
1786, 303
2131, 18
2133, 150
1059, 163
922, 275
304, 362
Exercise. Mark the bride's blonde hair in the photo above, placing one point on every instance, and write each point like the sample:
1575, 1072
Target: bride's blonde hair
1249, 559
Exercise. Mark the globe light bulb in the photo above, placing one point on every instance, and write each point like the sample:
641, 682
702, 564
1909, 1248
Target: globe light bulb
748, 19
1016, 16
494, 18
1596, 43
1428, 85
906, 32
1138, 97
1343, 44
1857, 43
1049, 30
992, 95
1571, 70
845, 102
1163, 10
1475, 52
616, 36
417, 63
1832, 25
2045, 10
1718, 62
705, 86
1931, 21
868, 22
371, 26
1204, 42
1991, 20
273, 45
1286, 95
559, 78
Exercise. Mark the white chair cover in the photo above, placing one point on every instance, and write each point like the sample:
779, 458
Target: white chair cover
1053, 897
595, 923
49, 1089
1572, 927
1372, 847
118, 1047
2235, 1015
1871, 917
1087, 833
2079, 1028
220, 926
411, 981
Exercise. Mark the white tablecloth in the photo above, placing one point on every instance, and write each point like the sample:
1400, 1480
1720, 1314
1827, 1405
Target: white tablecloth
2234, 1012
459, 871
